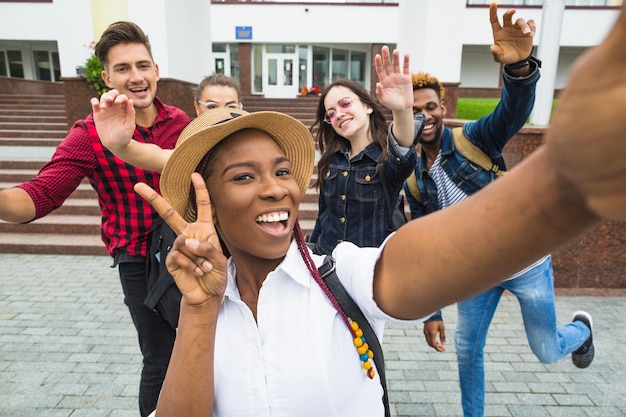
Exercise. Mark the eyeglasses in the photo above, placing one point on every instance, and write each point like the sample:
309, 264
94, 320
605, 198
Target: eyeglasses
213, 105
345, 104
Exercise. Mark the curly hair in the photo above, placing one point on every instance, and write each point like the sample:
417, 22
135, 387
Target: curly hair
330, 142
425, 80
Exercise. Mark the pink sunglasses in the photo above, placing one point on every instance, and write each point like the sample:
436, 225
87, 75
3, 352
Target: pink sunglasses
345, 104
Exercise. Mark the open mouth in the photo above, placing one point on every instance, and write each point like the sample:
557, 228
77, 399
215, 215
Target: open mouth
138, 90
276, 221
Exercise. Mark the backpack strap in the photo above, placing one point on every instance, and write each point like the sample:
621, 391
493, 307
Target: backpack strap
411, 183
352, 310
473, 152
468, 150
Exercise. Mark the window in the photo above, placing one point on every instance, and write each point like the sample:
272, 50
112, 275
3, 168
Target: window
340, 64
16, 67
321, 58
4, 69
357, 67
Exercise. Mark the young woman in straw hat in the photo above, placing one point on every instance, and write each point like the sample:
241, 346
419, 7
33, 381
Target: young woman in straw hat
258, 335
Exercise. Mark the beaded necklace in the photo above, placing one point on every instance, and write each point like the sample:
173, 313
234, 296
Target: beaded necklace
362, 348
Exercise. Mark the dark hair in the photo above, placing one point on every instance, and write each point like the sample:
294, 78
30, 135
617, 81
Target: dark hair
121, 32
425, 80
217, 79
329, 142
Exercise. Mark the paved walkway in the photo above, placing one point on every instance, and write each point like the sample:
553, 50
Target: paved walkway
68, 349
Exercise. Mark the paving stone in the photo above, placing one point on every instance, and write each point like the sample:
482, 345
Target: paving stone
68, 348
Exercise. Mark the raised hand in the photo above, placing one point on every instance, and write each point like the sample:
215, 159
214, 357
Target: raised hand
114, 116
196, 260
512, 42
394, 88
587, 134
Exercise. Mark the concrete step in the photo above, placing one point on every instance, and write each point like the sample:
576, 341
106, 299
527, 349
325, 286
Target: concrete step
37, 124
31, 97
32, 112
49, 243
42, 118
33, 133
56, 224
29, 106
30, 141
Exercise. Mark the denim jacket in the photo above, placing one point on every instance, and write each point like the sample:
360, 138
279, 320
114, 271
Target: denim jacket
351, 203
490, 133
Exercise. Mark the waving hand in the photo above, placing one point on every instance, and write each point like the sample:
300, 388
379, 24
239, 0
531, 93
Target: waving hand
512, 42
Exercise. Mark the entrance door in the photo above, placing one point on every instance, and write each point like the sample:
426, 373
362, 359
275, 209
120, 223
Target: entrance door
280, 73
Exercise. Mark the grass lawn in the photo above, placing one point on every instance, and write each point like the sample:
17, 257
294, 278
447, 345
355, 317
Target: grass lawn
475, 108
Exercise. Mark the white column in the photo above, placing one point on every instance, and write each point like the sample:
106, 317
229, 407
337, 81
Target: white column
426, 31
180, 35
548, 52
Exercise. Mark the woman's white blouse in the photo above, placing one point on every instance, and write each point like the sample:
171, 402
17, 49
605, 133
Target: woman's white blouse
299, 358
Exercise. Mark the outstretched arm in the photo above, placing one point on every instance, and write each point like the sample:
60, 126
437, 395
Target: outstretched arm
199, 267
579, 175
395, 91
114, 116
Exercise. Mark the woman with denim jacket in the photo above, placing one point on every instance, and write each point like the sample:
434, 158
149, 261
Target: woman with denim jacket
355, 145
445, 177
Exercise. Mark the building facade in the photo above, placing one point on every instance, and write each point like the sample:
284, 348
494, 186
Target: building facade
276, 48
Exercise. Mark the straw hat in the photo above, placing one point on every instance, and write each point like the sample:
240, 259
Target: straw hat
211, 127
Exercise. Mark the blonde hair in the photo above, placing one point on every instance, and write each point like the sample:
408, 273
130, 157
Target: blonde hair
425, 80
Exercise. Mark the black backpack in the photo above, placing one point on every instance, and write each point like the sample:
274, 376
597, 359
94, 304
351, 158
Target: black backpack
163, 295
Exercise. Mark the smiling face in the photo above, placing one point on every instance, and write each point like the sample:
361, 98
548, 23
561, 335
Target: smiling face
350, 114
426, 100
254, 195
131, 70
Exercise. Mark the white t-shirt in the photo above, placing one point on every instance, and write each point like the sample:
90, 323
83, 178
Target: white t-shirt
299, 359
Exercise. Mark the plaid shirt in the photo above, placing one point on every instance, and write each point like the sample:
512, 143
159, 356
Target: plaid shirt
126, 217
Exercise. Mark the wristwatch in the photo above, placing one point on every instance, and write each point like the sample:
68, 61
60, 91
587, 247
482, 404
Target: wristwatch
523, 63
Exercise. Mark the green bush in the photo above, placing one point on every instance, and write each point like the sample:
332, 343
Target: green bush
93, 74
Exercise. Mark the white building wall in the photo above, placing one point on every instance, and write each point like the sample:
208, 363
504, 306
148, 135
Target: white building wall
181, 30
179, 33
66, 21
306, 23
434, 44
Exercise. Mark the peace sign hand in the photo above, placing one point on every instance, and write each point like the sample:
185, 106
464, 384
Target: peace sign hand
196, 260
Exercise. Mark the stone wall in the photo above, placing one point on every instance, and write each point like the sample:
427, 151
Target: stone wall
597, 259
78, 92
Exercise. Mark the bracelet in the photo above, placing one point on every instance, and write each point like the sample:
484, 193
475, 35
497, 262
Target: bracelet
523, 63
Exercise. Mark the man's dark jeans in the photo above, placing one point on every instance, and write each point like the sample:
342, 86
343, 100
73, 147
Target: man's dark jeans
156, 336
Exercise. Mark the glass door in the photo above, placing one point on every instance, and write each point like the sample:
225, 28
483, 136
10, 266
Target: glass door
280, 75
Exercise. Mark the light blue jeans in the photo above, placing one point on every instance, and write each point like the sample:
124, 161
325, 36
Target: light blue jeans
535, 292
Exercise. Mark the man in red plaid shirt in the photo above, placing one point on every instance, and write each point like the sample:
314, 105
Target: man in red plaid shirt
129, 67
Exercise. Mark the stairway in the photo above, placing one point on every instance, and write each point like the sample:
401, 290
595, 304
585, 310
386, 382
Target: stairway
31, 126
